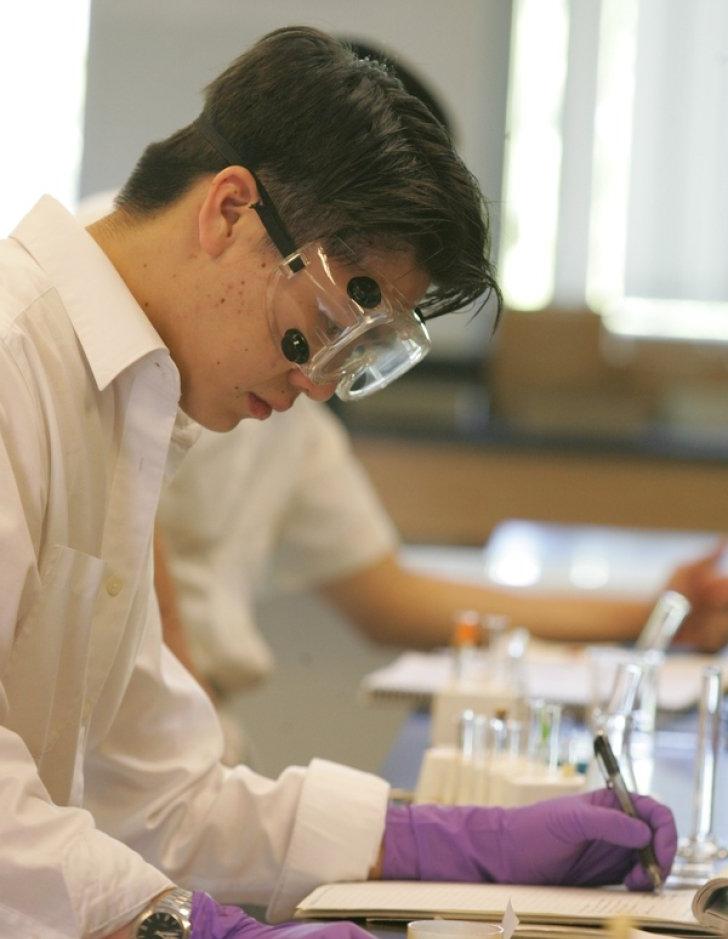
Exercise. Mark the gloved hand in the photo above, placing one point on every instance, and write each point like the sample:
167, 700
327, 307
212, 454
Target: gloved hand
210, 920
583, 840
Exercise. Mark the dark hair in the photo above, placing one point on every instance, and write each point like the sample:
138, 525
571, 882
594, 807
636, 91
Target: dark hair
344, 151
413, 83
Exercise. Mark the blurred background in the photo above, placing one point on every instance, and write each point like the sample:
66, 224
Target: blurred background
597, 130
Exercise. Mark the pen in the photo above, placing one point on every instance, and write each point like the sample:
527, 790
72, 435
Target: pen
614, 780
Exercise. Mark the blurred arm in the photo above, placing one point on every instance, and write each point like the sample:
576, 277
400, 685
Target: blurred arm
392, 604
173, 631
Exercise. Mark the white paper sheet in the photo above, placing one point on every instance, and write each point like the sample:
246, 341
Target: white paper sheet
555, 672
567, 906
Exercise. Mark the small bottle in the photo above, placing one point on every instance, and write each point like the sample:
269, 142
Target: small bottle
465, 639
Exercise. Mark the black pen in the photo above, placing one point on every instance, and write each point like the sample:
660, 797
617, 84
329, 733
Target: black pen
614, 780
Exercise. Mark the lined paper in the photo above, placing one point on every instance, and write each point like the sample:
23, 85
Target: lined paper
566, 906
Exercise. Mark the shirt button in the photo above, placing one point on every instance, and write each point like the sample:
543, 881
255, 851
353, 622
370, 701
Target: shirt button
114, 585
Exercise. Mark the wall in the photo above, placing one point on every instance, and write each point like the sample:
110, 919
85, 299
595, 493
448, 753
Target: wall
148, 63
456, 494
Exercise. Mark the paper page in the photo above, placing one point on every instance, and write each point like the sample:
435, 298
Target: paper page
566, 905
710, 904
421, 674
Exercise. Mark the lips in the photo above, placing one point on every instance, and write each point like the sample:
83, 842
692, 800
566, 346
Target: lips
258, 408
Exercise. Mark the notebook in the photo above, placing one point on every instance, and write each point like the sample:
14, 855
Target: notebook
710, 904
565, 910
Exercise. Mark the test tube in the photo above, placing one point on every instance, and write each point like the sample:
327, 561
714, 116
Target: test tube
466, 734
550, 730
466, 770
533, 741
466, 634
701, 846
664, 621
624, 691
494, 626
543, 734
514, 731
481, 785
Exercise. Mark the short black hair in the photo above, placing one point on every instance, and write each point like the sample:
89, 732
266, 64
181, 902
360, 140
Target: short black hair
344, 151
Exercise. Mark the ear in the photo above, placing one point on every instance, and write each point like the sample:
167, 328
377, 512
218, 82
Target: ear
225, 208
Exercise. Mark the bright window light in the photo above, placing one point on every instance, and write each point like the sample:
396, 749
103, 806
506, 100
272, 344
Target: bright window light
694, 320
625, 315
539, 56
43, 47
612, 153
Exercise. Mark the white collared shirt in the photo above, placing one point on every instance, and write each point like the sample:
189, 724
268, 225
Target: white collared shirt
110, 780
272, 505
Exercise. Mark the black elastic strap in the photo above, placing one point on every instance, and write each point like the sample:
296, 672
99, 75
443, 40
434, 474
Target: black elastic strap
272, 222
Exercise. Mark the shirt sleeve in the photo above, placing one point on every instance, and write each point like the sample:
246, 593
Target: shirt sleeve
335, 523
59, 875
157, 784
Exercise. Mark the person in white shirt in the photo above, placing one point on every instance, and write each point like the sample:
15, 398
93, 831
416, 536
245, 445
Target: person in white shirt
305, 516
195, 303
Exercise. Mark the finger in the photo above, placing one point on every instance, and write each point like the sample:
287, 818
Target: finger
685, 573
612, 826
714, 555
715, 593
639, 879
664, 831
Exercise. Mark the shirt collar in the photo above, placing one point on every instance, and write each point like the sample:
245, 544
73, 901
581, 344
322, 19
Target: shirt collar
111, 326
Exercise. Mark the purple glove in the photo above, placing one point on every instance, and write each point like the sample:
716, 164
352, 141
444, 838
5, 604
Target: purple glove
583, 840
212, 921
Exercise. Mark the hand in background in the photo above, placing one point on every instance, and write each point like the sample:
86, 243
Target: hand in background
210, 920
583, 840
706, 627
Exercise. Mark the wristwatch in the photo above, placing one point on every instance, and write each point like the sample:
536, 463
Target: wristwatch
167, 918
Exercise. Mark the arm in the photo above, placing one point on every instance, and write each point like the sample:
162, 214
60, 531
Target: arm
156, 783
392, 604
61, 876
706, 627
173, 632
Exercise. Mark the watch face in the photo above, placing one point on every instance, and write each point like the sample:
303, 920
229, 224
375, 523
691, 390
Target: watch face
161, 925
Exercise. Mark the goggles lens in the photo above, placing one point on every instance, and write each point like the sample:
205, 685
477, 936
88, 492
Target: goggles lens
358, 330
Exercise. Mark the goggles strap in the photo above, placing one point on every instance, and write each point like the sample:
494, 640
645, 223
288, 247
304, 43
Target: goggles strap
267, 212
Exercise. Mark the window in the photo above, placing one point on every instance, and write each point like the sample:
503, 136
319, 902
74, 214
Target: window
43, 74
615, 190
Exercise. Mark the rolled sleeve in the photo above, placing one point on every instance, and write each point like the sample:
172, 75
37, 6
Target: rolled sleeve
336, 836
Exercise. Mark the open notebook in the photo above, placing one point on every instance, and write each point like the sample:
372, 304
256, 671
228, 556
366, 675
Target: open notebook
572, 910
710, 904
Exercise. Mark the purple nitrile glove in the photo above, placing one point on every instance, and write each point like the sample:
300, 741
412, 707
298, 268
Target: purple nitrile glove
583, 840
210, 920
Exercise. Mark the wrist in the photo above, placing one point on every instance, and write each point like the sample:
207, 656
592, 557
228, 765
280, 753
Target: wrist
399, 855
127, 931
168, 914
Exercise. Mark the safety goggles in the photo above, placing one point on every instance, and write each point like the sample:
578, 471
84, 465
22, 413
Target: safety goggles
339, 322
333, 318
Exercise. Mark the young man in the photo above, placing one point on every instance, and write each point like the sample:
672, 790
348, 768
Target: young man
277, 246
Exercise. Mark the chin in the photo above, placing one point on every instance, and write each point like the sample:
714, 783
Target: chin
220, 423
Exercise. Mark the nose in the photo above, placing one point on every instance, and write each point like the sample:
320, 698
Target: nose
315, 391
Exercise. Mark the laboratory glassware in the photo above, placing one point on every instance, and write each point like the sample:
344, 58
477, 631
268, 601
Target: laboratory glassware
697, 854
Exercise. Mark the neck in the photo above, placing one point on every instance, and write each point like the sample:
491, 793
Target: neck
153, 255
